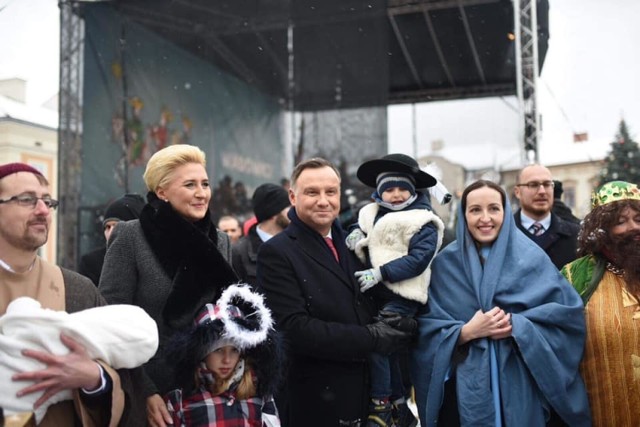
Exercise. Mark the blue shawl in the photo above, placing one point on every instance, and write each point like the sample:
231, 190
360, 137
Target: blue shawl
536, 368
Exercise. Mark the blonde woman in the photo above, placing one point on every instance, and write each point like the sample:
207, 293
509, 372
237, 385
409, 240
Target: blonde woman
170, 262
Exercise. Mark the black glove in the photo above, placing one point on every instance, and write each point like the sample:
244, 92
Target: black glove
397, 321
386, 339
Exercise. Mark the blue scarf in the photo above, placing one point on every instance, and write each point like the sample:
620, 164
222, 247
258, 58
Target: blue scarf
535, 369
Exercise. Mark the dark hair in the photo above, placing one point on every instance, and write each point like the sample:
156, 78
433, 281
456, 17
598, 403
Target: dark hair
312, 163
480, 184
596, 226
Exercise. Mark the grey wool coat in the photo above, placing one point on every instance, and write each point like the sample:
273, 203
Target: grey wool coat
171, 269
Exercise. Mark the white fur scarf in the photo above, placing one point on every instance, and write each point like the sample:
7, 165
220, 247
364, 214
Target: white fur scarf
389, 239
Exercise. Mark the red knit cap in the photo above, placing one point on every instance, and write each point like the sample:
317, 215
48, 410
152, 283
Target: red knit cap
11, 168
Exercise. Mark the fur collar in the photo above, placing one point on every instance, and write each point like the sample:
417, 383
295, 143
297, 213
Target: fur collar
189, 255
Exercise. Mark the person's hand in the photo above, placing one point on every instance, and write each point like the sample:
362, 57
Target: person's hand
353, 238
397, 321
157, 412
71, 371
495, 324
368, 278
502, 329
387, 340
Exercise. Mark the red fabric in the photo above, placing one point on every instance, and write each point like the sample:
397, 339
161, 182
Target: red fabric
329, 241
248, 224
11, 168
202, 409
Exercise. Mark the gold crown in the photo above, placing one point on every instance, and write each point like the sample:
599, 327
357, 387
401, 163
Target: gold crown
614, 191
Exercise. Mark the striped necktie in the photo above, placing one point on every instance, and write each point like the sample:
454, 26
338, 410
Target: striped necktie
536, 229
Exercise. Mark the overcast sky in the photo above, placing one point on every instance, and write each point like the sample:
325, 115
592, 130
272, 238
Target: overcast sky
29, 46
590, 79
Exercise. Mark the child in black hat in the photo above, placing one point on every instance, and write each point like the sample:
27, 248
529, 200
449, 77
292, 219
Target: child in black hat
398, 235
228, 365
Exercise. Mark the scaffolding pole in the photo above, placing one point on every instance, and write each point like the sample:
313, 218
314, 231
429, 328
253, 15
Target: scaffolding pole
527, 71
69, 131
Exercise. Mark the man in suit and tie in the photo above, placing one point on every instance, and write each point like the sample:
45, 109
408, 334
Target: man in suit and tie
558, 237
307, 275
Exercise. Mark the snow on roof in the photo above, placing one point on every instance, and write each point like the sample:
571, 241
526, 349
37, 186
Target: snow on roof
568, 152
480, 156
35, 114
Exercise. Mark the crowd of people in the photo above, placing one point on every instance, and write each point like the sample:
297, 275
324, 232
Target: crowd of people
526, 318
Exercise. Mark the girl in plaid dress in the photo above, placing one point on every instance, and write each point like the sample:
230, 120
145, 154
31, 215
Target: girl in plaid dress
228, 365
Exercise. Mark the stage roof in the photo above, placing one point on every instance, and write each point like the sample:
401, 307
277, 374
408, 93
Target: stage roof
327, 54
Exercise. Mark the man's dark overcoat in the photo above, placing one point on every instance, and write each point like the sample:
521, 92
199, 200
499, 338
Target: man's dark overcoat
244, 256
560, 241
318, 305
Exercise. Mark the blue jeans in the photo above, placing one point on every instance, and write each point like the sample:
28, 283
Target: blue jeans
386, 376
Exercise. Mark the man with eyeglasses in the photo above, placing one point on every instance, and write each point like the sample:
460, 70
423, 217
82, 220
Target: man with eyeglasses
26, 207
557, 237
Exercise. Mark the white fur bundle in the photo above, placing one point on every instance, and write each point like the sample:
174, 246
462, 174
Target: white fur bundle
258, 317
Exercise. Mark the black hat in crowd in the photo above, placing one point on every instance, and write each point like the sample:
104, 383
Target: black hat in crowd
269, 199
369, 171
125, 208
557, 189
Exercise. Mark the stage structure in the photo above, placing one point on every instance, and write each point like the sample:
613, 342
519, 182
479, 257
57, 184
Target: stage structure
527, 73
258, 84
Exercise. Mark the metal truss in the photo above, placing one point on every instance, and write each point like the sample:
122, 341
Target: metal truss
70, 131
425, 7
527, 71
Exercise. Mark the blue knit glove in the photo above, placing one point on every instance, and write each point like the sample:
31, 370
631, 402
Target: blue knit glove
368, 278
353, 238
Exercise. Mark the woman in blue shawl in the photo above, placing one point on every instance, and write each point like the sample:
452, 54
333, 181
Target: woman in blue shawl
502, 334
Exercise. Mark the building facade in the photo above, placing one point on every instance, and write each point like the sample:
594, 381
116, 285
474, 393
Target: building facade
578, 181
28, 134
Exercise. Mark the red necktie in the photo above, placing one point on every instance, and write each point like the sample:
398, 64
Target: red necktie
329, 241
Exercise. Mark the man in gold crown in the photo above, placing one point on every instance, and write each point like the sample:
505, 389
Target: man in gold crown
607, 276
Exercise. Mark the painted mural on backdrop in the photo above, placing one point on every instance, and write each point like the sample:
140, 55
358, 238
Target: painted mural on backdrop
142, 93
138, 140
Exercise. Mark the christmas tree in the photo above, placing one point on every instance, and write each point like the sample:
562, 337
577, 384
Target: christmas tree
623, 161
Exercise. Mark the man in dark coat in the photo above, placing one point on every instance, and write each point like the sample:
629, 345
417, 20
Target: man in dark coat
559, 207
556, 236
270, 206
307, 275
125, 208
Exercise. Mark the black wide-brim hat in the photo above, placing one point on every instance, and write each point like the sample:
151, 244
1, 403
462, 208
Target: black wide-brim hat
368, 171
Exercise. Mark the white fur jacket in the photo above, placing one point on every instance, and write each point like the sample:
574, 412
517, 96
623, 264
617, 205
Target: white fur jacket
122, 336
388, 239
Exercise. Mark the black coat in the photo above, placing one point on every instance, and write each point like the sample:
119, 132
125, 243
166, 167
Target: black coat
91, 264
563, 211
560, 241
317, 303
244, 256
